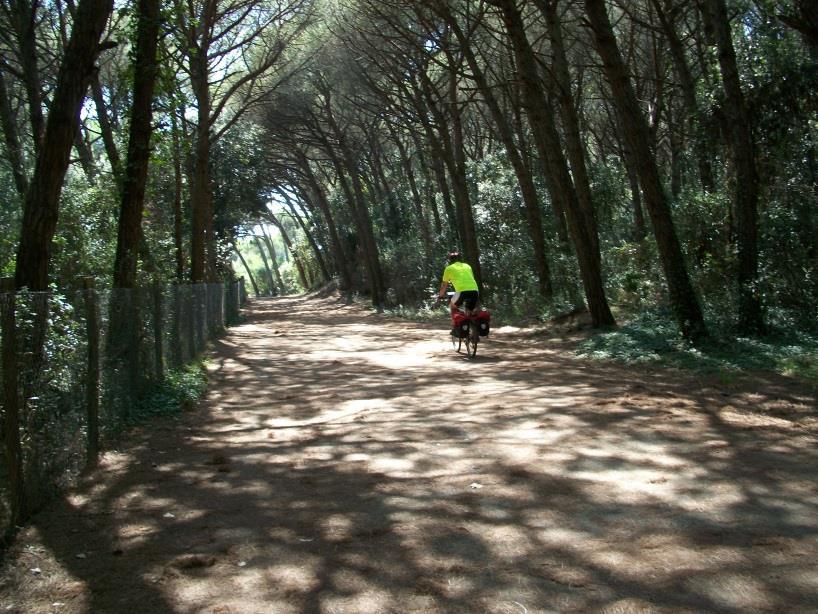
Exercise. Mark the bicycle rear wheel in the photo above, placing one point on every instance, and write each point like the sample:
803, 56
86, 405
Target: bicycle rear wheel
472, 340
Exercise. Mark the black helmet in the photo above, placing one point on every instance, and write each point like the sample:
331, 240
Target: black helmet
454, 256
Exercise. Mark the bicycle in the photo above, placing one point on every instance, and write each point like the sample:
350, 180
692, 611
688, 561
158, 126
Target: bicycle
468, 325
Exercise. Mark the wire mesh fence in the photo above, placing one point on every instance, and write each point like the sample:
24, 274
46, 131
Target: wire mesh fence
80, 366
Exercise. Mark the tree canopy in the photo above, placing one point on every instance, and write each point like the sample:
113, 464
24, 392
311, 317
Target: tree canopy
582, 154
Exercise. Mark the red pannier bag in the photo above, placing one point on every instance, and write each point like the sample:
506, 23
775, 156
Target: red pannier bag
460, 324
483, 318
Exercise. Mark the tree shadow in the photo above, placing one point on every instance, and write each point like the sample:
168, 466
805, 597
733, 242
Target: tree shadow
354, 466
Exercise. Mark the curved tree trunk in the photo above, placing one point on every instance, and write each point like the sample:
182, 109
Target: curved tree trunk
273, 260
302, 276
557, 176
263, 253
246, 268
683, 298
337, 246
521, 171
41, 208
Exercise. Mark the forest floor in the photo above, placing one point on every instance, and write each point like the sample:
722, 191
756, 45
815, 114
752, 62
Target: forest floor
344, 461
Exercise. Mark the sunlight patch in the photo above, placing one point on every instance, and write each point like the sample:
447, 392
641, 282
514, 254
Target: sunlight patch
733, 591
393, 465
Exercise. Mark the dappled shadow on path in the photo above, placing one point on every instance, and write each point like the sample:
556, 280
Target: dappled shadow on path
344, 461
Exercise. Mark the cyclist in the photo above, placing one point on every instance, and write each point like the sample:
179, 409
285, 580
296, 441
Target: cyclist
460, 275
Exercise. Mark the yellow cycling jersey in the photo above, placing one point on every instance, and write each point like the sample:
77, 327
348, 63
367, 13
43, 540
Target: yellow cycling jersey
460, 275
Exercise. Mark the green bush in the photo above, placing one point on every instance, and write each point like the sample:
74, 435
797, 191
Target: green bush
180, 391
653, 337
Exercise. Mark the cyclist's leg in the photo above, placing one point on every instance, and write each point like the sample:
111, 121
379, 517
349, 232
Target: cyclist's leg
470, 299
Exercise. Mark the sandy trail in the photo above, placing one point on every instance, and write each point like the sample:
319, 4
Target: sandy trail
348, 462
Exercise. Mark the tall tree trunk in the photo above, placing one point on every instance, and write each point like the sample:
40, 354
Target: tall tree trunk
316, 250
273, 260
687, 84
302, 276
468, 229
746, 189
41, 208
438, 138
361, 213
26, 12
428, 184
86, 158
263, 253
683, 298
394, 218
557, 176
136, 171
639, 229
406, 164
106, 129
246, 269
339, 255
805, 20
177, 199
570, 122
521, 171
201, 197
12, 140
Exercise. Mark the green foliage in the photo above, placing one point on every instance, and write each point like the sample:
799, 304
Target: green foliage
653, 337
11, 213
85, 242
407, 273
180, 391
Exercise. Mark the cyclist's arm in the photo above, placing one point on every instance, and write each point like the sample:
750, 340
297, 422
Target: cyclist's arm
442, 292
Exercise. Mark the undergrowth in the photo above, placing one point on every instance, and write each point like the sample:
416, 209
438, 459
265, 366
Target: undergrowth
179, 391
653, 337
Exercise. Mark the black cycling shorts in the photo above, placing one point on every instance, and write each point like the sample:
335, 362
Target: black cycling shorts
467, 298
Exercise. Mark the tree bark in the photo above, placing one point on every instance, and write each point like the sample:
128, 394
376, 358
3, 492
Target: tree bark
273, 260
570, 122
136, 172
337, 246
262, 252
41, 208
687, 84
805, 21
746, 189
557, 176
106, 129
438, 139
319, 257
201, 197
86, 158
406, 164
302, 276
177, 199
26, 13
683, 298
468, 229
521, 171
246, 268
12, 448
12, 139
358, 203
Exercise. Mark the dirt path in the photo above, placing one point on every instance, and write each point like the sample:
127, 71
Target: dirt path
364, 466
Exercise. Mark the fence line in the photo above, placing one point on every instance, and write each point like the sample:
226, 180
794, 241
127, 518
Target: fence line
79, 366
